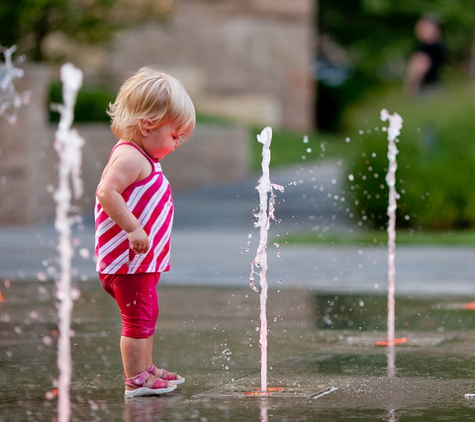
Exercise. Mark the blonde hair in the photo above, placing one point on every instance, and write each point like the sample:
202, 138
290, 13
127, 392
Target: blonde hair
152, 95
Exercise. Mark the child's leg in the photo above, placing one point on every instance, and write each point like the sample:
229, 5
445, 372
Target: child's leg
136, 295
134, 355
149, 355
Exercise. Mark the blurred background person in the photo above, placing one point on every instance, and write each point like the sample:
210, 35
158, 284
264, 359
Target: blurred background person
426, 63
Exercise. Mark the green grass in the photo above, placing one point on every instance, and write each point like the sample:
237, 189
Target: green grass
380, 238
288, 147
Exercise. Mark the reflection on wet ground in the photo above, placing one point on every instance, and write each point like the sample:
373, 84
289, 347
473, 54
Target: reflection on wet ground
316, 342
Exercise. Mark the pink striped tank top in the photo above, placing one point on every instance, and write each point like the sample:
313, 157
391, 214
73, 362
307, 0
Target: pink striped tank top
151, 201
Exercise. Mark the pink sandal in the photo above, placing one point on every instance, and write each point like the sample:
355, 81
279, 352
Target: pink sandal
167, 376
158, 386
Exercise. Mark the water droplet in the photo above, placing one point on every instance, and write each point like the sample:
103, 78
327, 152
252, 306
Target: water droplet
84, 253
49, 395
41, 276
351, 178
93, 404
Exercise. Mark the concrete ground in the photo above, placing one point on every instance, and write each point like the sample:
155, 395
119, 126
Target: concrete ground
323, 357
326, 308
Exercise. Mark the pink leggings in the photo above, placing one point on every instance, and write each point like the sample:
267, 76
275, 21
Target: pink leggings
137, 297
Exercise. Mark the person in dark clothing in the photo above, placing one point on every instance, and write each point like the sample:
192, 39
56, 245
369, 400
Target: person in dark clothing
426, 63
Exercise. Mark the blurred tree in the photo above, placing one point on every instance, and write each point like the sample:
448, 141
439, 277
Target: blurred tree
28, 22
378, 38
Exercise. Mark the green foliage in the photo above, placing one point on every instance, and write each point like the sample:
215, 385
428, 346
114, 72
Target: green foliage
379, 32
435, 176
27, 23
378, 38
91, 103
379, 237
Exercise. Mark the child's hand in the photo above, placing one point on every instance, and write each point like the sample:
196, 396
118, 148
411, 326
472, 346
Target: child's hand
138, 240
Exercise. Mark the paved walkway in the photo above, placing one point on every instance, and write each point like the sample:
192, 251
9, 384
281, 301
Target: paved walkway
211, 244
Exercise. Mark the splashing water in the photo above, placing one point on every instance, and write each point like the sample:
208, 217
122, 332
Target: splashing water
68, 145
263, 217
10, 100
394, 130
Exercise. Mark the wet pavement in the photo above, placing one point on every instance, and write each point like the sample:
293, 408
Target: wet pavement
326, 307
317, 343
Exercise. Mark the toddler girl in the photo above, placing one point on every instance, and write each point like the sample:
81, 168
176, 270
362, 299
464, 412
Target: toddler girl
151, 116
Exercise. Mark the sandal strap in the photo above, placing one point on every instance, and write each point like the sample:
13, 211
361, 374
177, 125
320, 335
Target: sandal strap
159, 383
152, 370
140, 380
168, 376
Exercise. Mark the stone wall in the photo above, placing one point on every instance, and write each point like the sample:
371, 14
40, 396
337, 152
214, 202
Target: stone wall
27, 156
28, 161
244, 59
213, 154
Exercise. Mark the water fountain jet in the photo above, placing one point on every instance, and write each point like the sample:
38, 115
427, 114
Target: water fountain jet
10, 100
263, 218
68, 145
394, 130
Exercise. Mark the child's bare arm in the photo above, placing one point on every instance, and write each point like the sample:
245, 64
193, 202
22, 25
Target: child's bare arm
121, 172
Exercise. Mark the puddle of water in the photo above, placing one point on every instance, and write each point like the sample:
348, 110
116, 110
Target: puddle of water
369, 312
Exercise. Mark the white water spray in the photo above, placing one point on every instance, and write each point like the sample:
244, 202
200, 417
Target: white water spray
394, 130
10, 100
68, 145
263, 217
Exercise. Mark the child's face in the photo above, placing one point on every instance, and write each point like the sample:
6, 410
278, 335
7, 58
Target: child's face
162, 140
